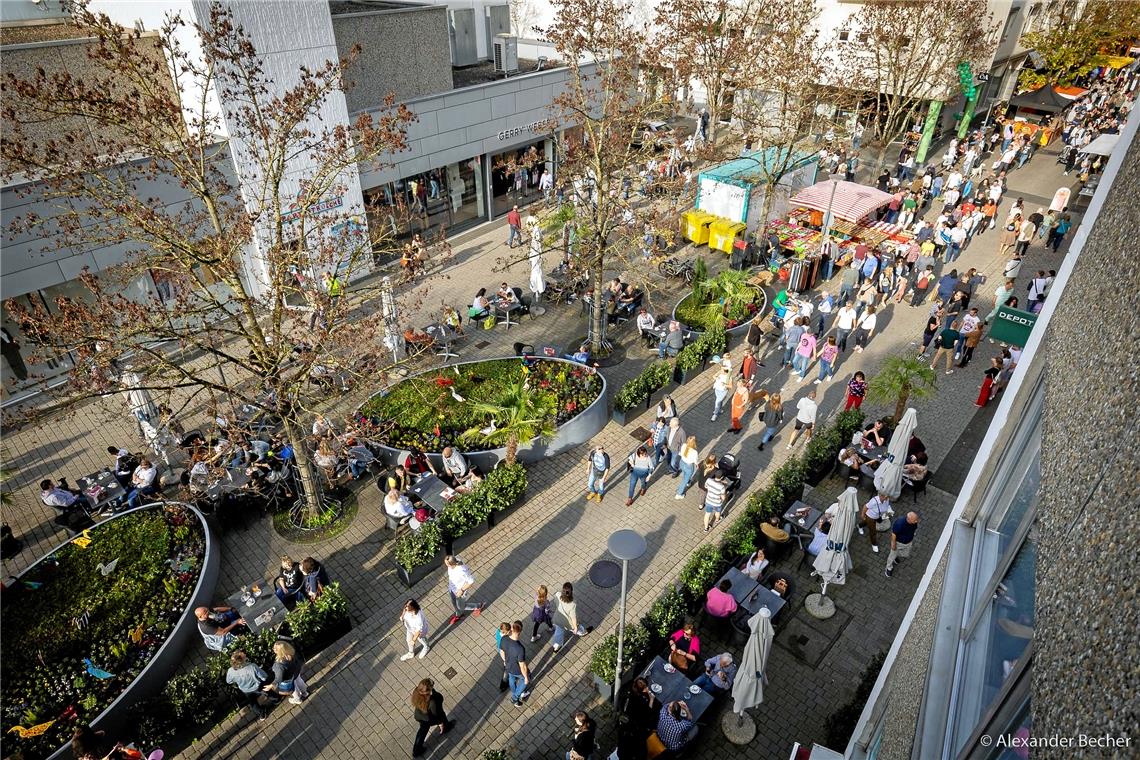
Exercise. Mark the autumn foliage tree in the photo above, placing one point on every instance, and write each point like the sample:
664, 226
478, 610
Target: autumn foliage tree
266, 320
905, 54
1074, 36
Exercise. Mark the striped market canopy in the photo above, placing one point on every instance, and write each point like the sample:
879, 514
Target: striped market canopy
851, 201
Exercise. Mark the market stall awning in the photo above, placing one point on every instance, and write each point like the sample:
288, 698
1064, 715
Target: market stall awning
1101, 146
851, 201
1042, 99
1071, 92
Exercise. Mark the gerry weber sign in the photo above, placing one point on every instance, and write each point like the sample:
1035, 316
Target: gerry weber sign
535, 127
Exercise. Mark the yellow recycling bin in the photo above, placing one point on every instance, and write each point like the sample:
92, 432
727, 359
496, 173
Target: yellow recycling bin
723, 233
695, 225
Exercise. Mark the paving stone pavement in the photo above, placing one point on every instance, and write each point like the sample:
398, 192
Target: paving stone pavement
359, 688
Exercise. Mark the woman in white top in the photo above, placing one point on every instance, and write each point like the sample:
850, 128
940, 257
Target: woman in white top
721, 384
690, 458
866, 328
397, 505
565, 617
415, 629
754, 566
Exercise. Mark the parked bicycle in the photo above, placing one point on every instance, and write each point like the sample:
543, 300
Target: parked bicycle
674, 267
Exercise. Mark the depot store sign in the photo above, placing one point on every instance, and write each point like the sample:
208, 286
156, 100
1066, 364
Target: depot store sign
1013, 326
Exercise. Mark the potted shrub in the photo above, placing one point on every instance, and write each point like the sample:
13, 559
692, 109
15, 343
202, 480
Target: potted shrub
691, 359
901, 379
820, 454
418, 552
788, 481
847, 423
654, 377
603, 660
506, 485
665, 616
727, 301
704, 566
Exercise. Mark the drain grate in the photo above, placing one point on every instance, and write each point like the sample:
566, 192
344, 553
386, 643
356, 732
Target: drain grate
810, 642
483, 344
450, 673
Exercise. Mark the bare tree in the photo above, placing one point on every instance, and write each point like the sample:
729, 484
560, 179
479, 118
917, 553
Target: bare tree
146, 98
607, 56
904, 55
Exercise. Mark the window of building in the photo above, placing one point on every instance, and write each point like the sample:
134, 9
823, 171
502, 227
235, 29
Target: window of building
515, 175
844, 35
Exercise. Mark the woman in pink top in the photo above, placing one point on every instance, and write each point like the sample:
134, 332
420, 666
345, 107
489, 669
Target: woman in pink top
827, 355
804, 353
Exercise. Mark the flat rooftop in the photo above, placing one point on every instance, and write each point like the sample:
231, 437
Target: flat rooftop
26, 34
484, 72
344, 7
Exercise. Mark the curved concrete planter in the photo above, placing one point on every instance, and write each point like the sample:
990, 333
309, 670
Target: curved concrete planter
584, 426
157, 672
740, 329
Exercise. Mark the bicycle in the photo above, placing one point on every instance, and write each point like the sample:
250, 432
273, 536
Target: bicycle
673, 267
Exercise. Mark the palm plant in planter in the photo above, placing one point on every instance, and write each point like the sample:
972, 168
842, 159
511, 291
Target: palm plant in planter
900, 380
521, 416
722, 301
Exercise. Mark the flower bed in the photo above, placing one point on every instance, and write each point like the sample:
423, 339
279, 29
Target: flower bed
709, 562
425, 414
82, 624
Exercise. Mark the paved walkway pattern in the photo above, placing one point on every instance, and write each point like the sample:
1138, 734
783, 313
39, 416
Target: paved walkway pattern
359, 704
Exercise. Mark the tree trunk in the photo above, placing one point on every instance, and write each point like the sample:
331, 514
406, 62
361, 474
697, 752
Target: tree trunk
306, 472
880, 161
512, 449
900, 407
598, 312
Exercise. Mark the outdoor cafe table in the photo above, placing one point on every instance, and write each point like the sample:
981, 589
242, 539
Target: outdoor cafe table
802, 524
503, 311
763, 596
430, 490
675, 686
111, 489
742, 585
232, 480
267, 611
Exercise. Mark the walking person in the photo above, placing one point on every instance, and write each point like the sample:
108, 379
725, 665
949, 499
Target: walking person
740, 400
540, 613
514, 225
720, 390
856, 391
827, 355
844, 324
933, 323
773, 417
990, 376
427, 704
902, 537
945, 343
877, 509
287, 680
716, 493
1007, 240
640, 465
583, 738
805, 352
415, 629
1057, 234
806, 411
460, 583
514, 660
597, 470
689, 459
921, 285
674, 440
823, 312
566, 618
866, 329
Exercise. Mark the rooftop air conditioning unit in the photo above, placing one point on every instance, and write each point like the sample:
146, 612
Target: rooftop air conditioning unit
506, 53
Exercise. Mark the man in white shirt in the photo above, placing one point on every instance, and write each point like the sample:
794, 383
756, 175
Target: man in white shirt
454, 466
460, 582
878, 508
953, 180
806, 410
844, 324
142, 483
59, 496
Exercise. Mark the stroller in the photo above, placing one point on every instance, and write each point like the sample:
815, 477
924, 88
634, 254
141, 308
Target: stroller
729, 468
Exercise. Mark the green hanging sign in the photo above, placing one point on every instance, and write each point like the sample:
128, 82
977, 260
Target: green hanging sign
1013, 326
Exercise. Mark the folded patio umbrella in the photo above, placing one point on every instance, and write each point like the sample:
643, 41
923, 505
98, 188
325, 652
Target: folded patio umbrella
834, 562
888, 478
748, 690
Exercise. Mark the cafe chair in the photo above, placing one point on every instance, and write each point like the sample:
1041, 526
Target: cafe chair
74, 521
918, 486
524, 301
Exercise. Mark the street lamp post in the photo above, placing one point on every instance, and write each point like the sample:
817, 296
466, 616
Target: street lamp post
626, 545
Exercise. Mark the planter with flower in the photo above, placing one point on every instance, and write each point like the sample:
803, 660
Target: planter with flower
101, 622
728, 301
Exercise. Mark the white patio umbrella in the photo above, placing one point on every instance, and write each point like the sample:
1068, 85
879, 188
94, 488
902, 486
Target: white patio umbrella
888, 478
834, 561
139, 401
537, 280
393, 338
748, 690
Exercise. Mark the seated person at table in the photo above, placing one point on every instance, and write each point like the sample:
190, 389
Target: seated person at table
675, 726
359, 457
642, 708
720, 672
452, 320
873, 433
914, 469
144, 482
326, 459
719, 602
506, 294
850, 457
219, 626
249, 680
455, 467
415, 342
468, 484
417, 464
673, 341
582, 355
772, 531
60, 496
645, 325
125, 464
480, 307
915, 446
628, 299
322, 428
684, 647
316, 579
781, 584
290, 582
818, 537
755, 565
399, 478
398, 506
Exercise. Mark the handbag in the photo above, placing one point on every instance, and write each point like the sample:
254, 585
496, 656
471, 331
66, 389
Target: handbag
678, 660
489, 323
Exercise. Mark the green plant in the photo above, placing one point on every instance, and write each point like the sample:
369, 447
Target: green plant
310, 619
418, 547
722, 301
788, 480
604, 657
901, 379
501, 489
822, 449
520, 414
701, 571
495, 754
692, 356
700, 270
841, 723
847, 423
655, 375
740, 538
666, 614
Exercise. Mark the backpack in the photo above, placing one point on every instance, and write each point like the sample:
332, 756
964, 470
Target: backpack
605, 462
923, 280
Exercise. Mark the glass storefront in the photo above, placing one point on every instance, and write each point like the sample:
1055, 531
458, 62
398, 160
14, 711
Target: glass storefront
437, 203
515, 175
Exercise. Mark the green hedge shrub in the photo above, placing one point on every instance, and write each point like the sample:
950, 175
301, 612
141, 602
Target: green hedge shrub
655, 375
604, 656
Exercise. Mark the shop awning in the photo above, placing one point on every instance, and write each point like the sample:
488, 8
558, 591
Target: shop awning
1042, 99
1071, 92
851, 201
1117, 61
1101, 146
